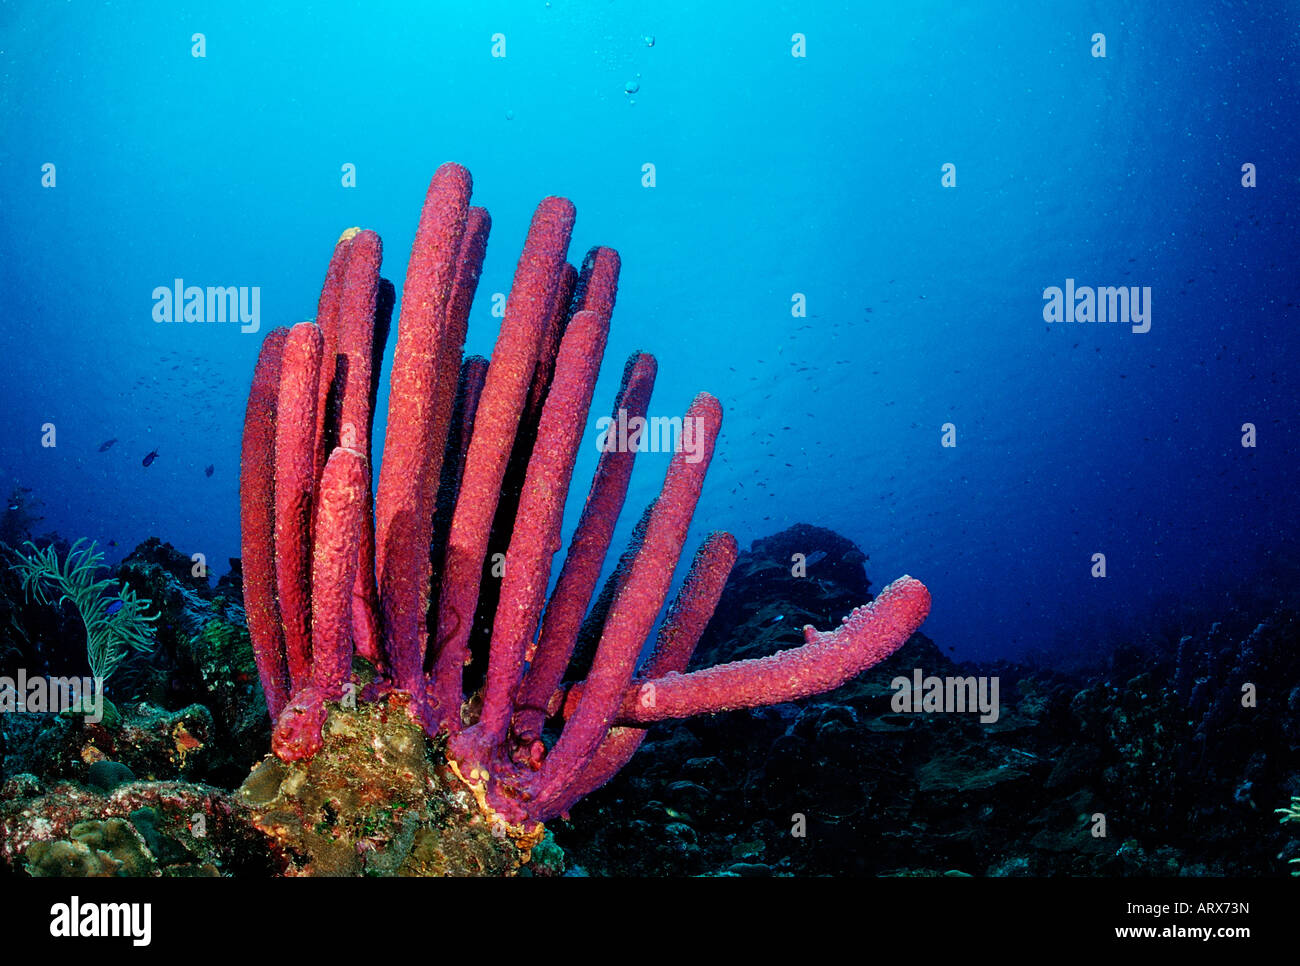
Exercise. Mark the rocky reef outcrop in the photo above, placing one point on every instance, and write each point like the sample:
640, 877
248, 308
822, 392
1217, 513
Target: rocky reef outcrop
1168, 759
1149, 765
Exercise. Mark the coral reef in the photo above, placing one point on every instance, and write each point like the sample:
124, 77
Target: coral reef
189, 708
139, 828
883, 793
745, 623
151, 742
92, 849
204, 656
1157, 740
376, 799
328, 576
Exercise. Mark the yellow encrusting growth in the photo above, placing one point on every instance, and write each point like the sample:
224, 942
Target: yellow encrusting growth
523, 835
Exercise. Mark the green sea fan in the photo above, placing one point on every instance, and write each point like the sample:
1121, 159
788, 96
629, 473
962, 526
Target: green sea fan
1291, 814
111, 634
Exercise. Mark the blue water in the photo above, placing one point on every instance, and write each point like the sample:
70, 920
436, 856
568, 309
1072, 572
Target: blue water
776, 175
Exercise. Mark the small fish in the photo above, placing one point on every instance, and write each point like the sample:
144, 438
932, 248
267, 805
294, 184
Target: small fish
149, 457
114, 607
210, 470
107, 444
817, 556
112, 543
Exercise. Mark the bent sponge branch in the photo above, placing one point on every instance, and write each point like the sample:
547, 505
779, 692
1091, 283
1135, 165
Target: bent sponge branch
473, 459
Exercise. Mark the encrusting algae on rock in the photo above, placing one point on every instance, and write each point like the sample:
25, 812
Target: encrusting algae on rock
379, 799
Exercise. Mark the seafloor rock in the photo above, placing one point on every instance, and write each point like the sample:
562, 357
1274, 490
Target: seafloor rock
1160, 743
764, 606
107, 775
185, 601
150, 742
220, 657
378, 799
203, 655
139, 829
